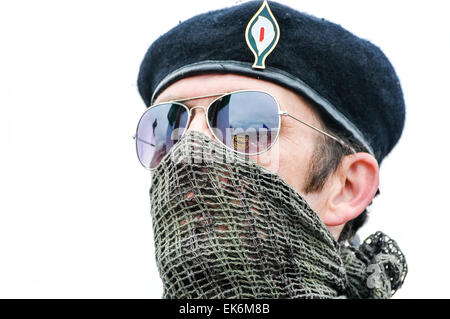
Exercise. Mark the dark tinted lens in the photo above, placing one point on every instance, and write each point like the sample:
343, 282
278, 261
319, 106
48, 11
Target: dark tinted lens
247, 122
158, 130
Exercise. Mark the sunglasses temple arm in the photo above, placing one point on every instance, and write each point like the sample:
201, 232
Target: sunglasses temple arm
320, 131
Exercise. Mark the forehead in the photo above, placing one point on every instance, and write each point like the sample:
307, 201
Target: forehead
208, 84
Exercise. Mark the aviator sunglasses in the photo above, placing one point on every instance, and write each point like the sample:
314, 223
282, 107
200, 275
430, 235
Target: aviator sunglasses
247, 122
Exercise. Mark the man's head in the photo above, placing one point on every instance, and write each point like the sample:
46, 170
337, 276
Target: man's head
234, 228
317, 71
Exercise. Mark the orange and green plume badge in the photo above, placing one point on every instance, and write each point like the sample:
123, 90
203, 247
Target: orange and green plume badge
262, 35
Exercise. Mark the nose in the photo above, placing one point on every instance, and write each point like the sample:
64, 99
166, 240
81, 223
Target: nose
198, 121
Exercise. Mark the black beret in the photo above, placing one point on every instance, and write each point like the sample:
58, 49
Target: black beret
347, 78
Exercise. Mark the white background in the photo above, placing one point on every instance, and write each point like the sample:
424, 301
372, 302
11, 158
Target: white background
74, 205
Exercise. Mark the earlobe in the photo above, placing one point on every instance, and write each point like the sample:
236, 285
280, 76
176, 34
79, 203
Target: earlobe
352, 188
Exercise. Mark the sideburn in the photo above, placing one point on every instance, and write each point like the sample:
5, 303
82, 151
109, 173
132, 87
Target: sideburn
324, 162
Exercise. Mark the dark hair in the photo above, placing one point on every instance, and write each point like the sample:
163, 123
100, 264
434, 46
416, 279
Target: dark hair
325, 160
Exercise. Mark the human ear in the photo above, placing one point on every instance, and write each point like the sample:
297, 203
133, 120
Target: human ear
352, 188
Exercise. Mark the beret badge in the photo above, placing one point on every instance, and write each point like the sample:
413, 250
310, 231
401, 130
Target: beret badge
262, 35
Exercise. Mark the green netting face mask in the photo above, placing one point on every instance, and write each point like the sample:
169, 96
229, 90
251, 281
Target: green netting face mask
225, 227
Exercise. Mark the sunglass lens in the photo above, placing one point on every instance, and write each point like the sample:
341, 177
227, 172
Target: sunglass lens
158, 130
247, 122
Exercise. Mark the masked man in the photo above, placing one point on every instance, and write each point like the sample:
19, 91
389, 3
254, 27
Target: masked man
264, 133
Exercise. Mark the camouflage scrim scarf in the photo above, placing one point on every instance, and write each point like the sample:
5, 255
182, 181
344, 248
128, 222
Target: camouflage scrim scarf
225, 227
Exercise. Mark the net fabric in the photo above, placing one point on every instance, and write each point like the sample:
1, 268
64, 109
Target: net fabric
218, 236
377, 269
225, 227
